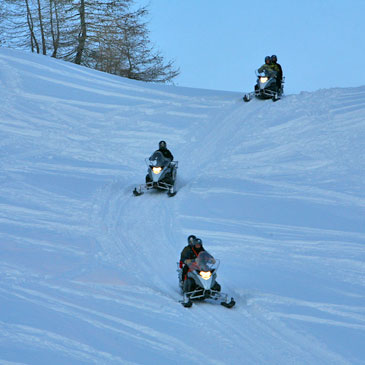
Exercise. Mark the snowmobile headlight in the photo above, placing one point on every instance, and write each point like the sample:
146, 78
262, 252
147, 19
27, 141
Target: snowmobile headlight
263, 79
156, 170
205, 274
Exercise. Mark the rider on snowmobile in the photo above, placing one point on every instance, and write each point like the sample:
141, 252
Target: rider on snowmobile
190, 253
187, 248
267, 66
279, 71
193, 262
161, 172
162, 147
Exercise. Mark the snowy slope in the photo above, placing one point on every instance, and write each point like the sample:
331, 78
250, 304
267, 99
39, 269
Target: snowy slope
88, 271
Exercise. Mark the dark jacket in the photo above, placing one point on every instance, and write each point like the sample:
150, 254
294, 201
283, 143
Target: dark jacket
166, 153
277, 67
268, 67
190, 253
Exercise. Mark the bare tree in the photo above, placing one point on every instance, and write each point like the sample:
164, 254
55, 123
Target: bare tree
102, 34
37, 25
32, 36
22, 25
54, 26
81, 39
124, 49
41, 27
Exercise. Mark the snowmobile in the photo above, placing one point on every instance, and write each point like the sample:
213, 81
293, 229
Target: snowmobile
161, 175
266, 87
201, 282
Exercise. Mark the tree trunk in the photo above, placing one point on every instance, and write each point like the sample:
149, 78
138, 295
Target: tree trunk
55, 29
44, 47
82, 35
33, 39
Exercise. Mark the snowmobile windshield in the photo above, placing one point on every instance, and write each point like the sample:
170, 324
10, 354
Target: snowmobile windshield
267, 72
205, 262
158, 159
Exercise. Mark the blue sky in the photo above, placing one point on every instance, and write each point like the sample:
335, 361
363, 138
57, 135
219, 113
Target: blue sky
218, 45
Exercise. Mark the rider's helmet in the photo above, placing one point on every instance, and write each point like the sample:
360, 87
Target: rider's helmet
162, 145
191, 240
274, 58
267, 58
198, 241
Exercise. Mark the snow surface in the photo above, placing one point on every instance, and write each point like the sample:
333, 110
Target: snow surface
88, 271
